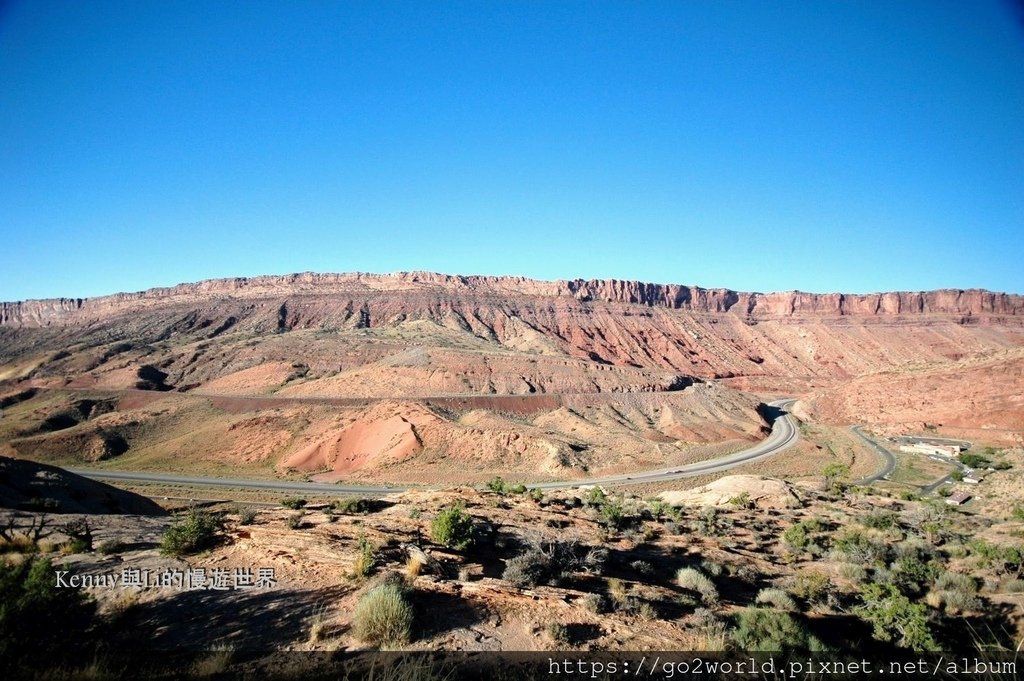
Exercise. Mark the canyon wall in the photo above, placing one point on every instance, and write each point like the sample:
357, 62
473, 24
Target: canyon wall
357, 290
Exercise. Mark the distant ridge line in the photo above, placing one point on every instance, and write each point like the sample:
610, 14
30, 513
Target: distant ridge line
361, 286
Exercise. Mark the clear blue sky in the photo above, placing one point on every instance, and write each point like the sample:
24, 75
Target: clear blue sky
831, 146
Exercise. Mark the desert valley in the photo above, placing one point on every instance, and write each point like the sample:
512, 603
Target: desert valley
522, 464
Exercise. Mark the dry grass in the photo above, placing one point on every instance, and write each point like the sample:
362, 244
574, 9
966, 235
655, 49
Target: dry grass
413, 568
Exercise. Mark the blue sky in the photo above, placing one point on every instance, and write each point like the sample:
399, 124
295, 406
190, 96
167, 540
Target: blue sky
840, 146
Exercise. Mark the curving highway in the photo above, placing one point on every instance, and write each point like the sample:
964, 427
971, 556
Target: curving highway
784, 434
887, 458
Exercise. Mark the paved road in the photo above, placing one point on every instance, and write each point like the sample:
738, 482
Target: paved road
784, 434
889, 465
888, 460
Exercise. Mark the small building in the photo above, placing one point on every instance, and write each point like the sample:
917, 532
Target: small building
973, 478
958, 498
929, 448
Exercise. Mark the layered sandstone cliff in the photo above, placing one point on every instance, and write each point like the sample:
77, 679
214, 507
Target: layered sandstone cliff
359, 289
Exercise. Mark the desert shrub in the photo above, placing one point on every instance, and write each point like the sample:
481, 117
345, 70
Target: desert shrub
351, 505
642, 567
712, 568
775, 598
694, 580
365, 558
812, 586
764, 629
1014, 586
747, 573
957, 476
855, 546
39, 620
612, 515
796, 536
1002, 465
519, 488
294, 503
1001, 557
594, 603
880, 520
957, 592
537, 494
710, 522
1017, 513
895, 618
595, 496
944, 491
647, 611
497, 484
853, 572
595, 560
383, 616
79, 534
913, 573
247, 516
742, 500
111, 547
621, 595
543, 563
955, 602
296, 521
452, 527
196, 532
659, 509
557, 632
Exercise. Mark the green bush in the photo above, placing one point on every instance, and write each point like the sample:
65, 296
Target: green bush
518, 489
796, 536
812, 586
383, 617
709, 522
613, 516
351, 505
912, 574
894, 617
196, 532
247, 516
855, 546
365, 558
880, 520
762, 629
497, 484
294, 503
595, 496
453, 528
558, 632
974, 460
41, 622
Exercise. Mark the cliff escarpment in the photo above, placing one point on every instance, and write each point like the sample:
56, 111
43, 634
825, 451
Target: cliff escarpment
418, 288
